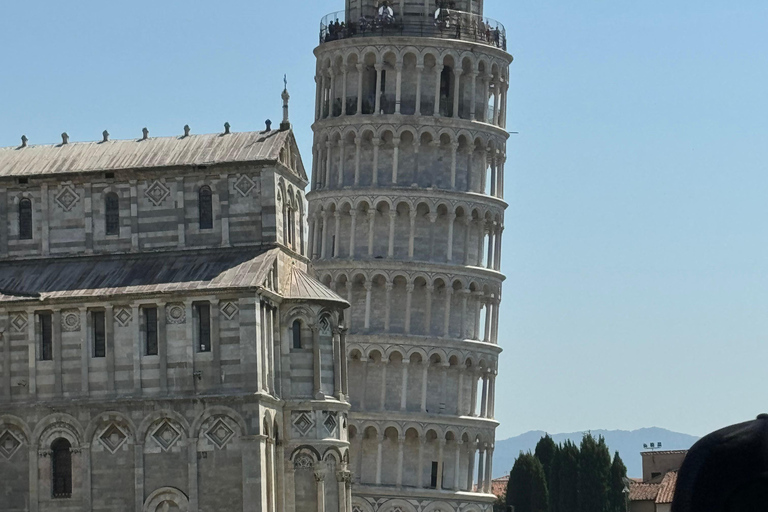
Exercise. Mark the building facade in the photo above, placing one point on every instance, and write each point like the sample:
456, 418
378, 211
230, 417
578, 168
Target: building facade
162, 346
405, 222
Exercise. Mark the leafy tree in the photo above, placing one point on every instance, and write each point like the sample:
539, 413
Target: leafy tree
545, 452
616, 496
527, 487
595, 469
566, 481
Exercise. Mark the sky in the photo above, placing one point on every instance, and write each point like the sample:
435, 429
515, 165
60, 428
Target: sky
635, 243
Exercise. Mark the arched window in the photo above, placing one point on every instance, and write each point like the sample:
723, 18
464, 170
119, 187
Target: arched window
61, 459
112, 214
296, 328
205, 208
25, 219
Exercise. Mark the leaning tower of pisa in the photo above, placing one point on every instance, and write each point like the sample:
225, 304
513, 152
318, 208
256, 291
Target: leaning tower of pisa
406, 219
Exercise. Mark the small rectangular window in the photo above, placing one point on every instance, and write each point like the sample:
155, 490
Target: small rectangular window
150, 330
204, 327
46, 337
99, 334
433, 477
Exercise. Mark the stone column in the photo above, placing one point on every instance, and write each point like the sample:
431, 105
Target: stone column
380, 438
451, 220
464, 324
473, 395
388, 306
336, 233
344, 369
488, 316
496, 98
325, 95
412, 235
328, 157
375, 177
320, 478
484, 398
331, 91
360, 90
340, 480
408, 301
395, 159
457, 72
440, 463
492, 395
420, 468
478, 310
481, 468
438, 72
340, 177
467, 224
473, 106
368, 287
399, 86
337, 373
404, 386
488, 469
447, 320
424, 377
428, 321
316, 362
315, 234
460, 398
400, 447
454, 150
472, 450
318, 97
344, 91
480, 241
495, 323
383, 396
392, 218
419, 71
379, 68
353, 215
358, 144
493, 176
371, 226
323, 241
457, 464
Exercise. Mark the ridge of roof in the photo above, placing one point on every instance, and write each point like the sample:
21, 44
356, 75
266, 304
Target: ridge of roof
153, 152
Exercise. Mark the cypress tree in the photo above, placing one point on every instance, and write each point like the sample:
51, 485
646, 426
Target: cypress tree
527, 487
616, 496
554, 479
567, 478
595, 469
545, 451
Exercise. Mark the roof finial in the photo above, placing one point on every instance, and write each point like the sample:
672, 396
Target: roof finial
144, 133
187, 129
24, 141
286, 124
64, 138
105, 135
226, 128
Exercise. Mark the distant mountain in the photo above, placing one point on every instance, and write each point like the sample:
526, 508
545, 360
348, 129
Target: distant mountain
629, 444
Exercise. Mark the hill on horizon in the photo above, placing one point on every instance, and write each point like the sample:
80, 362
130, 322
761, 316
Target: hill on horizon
629, 444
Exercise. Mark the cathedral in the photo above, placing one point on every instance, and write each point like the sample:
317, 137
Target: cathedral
184, 327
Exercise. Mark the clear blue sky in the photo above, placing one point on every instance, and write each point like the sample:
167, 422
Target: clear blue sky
635, 241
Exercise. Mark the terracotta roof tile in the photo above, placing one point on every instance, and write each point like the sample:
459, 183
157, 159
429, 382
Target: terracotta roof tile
667, 488
643, 492
499, 486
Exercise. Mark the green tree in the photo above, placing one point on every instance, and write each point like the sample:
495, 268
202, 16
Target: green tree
553, 485
566, 478
527, 487
594, 474
545, 452
616, 496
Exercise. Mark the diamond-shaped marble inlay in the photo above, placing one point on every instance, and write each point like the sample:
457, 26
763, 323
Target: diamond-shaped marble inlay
330, 423
176, 314
19, 321
9, 443
303, 423
229, 310
112, 438
70, 321
67, 198
244, 185
123, 316
157, 192
166, 435
220, 433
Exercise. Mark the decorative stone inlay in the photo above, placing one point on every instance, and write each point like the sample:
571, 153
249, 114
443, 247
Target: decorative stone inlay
220, 434
67, 198
176, 314
113, 438
9, 444
244, 185
70, 321
303, 462
157, 192
303, 423
166, 435
123, 315
229, 309
19, 321
330, 422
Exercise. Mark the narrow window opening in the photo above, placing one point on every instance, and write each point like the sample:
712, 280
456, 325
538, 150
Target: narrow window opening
112, 214
433, 476
150, 326
446, 92
205, 208
296, 328
46, 337
61, 459
25, 219
99, 334
204, 327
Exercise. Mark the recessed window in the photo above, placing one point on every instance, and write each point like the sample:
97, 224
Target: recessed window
150, 330
46, 337
296, 328
23, 181
25, 219
433, 476
205, 208
99, 334
112, 214
61, 459
109, 175
204, 327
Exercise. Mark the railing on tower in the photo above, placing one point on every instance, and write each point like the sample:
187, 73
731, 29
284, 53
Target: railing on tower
444, 24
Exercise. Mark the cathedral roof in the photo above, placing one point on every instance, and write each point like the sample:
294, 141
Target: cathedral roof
135, 274
154, 152
303, 287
